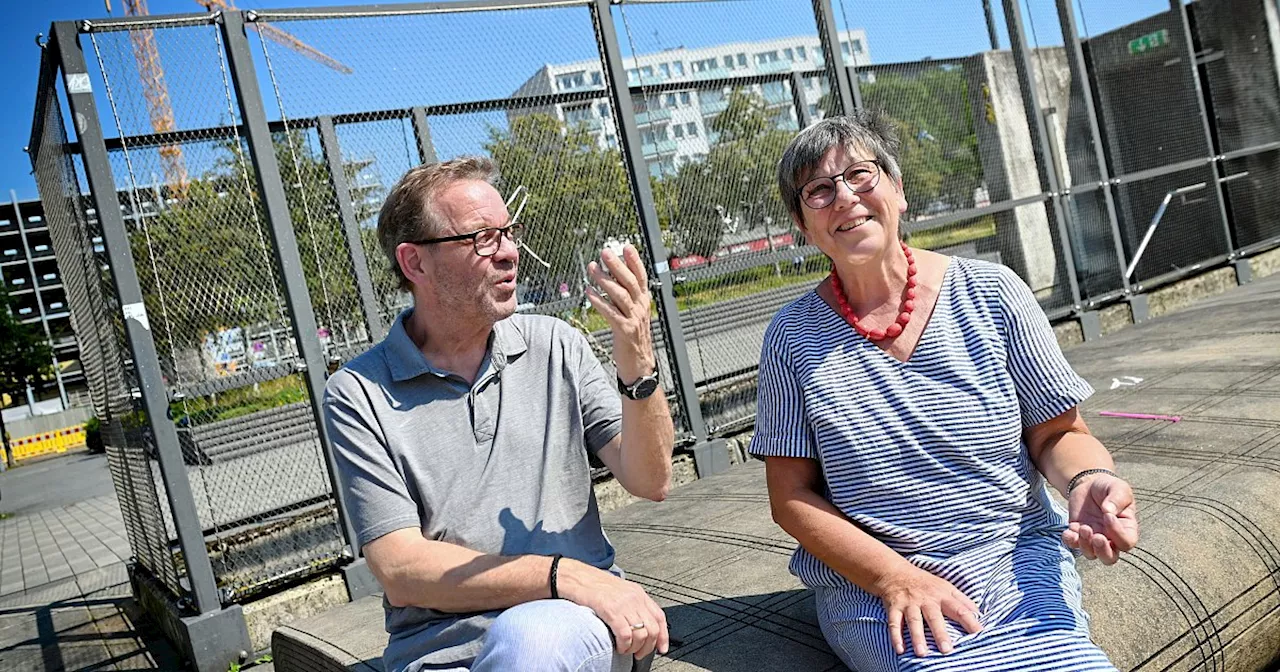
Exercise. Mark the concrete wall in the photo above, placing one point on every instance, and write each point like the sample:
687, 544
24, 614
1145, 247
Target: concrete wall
1005, 144
37, 424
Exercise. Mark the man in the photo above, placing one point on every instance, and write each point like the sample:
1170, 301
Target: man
462, 441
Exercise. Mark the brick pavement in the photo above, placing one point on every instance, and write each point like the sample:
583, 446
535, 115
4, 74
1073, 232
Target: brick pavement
65, 602
39, 547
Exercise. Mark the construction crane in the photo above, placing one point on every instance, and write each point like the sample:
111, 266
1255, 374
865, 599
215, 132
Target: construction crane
157, 95
156, 92
279, 36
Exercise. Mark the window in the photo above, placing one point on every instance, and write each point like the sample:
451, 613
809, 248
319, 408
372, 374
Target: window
664, 69
647, 138
728, 62
844, 47
577, 114
671, 100
684, 98
612, 141
35, 219
766, 57
813, 111
692, 129
595, 79
677, 131
632, 75
660, 133
857, 46
647, 71
742, 60
571, 80
678, 66
808, 83
800, 53
4, 222
790, 54
604, 110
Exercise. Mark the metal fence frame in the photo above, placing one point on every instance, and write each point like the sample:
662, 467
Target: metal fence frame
63, 55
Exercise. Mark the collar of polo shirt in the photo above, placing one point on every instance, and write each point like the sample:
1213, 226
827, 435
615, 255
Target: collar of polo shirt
406, 361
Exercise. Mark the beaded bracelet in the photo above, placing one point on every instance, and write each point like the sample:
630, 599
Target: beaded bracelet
1087, 472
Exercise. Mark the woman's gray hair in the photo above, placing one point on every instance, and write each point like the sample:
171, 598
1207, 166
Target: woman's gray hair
410, 212
864, 130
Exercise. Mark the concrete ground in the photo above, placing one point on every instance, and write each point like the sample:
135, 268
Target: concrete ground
64, 592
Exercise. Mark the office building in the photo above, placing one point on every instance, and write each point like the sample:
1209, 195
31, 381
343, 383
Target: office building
675, 125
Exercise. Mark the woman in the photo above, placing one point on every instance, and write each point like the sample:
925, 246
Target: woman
913, 411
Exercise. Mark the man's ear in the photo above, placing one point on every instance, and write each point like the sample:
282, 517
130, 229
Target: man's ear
412, 262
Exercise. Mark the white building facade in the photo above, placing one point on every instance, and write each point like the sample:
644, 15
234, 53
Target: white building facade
675, 123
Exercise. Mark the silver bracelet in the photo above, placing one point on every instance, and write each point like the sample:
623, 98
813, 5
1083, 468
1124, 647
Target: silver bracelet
1075, 480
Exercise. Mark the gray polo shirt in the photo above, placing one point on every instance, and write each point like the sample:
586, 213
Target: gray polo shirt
498, 466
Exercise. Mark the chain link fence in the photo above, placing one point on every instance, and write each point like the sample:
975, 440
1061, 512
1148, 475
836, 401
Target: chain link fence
1098, 151
96, 315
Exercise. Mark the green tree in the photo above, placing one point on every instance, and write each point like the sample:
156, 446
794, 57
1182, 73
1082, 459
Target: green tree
25, 358
205, 261
930, 111
736, 185
578, 194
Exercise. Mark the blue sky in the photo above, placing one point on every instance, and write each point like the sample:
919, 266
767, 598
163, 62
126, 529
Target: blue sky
403, 61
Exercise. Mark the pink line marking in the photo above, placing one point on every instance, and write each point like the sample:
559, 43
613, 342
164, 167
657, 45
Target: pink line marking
1141, 416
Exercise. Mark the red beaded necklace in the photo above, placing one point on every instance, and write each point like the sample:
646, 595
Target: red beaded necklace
904, 311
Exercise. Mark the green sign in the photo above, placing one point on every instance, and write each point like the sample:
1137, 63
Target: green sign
1150, 41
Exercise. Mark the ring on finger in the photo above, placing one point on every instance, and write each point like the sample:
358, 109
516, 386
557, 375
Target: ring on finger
637, 626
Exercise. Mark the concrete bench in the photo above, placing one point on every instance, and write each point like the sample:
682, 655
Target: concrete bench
717, 564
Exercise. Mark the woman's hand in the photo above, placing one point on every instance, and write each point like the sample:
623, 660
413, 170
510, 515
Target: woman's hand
1103, 518
919, 598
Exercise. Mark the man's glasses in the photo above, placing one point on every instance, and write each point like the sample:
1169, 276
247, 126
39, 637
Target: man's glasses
861, 177
487, 241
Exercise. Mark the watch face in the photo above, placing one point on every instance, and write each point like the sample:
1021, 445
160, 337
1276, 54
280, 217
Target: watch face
646, 387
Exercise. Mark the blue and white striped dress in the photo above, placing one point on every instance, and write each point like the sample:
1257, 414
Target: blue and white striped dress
927, 457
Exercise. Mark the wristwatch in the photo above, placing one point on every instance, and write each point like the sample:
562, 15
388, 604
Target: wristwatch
642, 388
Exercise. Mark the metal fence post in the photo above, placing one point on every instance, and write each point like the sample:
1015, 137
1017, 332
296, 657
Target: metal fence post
422, 130
707, 457
1040, 138
829, 35
992, 35
803, 118
350, 227
115, 237
1180, 11
285, 243
1080, 75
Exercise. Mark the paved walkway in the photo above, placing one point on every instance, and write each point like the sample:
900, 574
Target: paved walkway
65, 602
40, 547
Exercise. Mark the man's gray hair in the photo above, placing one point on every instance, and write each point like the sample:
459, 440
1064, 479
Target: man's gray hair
863, 131
409, 213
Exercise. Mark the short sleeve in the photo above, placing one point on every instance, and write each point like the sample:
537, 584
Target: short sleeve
1046, 384
781, 428
378, 499
601, 407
